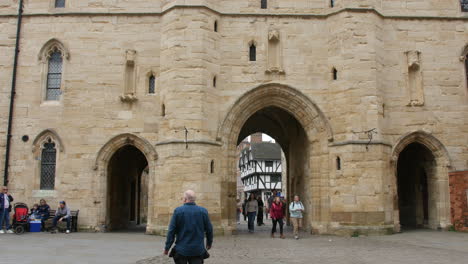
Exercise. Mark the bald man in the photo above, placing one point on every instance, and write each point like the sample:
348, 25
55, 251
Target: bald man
189, 224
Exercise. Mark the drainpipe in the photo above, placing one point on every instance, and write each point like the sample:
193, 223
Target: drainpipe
12, 94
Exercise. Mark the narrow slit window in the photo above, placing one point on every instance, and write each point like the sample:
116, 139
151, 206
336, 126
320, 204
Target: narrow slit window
335, 74
214, 81
252, 52
263, 4
163, 110
216, 26
466, 68
59, 3
151, 84
212, 166
48, 164
332, 3
54, 76
338, 163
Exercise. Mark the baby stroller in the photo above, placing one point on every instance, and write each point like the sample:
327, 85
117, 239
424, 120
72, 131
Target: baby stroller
20, 218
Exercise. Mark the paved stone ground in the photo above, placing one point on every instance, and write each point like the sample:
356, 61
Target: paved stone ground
419, 247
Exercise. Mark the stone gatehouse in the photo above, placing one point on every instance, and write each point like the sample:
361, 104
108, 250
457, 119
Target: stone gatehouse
120, 106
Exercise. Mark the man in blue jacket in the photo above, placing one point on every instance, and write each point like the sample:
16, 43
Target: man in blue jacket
189, 224
5, 209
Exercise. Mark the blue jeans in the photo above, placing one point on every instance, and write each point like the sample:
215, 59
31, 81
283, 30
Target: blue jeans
57, 217
251, 223
5, 216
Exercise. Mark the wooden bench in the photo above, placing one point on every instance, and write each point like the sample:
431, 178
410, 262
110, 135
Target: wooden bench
74, 220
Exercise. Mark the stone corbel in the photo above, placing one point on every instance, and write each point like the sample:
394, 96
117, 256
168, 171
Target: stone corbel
128, 98
274, 70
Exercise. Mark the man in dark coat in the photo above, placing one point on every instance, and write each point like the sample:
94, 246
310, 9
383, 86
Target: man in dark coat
5, 209
261, 205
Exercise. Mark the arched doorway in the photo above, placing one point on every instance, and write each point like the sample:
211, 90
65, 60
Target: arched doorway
416, 167
127, 172
421, 195
303, 132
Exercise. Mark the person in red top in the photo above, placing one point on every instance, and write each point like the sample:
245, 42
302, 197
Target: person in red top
277, 216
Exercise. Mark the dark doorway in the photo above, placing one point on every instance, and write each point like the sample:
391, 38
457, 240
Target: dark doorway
125, 189
415, 165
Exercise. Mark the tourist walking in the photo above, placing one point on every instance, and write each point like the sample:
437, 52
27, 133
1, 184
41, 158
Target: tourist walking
260, 211
238, 210
244, 212
296, 209
189, 225
62, 214
270, 201
44, 212
252, 208
277, 216
5, 209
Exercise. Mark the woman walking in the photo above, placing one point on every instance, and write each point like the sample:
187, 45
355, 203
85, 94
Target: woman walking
252, 208
277, 216
296, 208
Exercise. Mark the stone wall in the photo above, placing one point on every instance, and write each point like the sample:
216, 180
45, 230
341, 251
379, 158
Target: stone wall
178, 44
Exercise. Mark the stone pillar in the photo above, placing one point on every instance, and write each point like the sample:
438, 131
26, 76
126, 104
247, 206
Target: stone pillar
186, 144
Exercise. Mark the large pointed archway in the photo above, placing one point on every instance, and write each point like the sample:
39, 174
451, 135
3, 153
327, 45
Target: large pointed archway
303, 132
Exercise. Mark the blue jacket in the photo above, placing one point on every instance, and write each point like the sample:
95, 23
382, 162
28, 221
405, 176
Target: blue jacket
189, 224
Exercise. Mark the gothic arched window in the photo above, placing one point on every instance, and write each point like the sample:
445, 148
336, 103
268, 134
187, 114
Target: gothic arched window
54, 76
151, 84
252, 52
48, 164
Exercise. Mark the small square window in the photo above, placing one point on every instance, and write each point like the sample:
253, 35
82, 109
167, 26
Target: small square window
464, 5
59, 3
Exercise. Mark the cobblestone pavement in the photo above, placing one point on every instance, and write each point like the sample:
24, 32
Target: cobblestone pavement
421, 246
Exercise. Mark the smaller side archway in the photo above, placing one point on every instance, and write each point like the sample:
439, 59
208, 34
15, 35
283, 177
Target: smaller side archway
123, 165
420, 165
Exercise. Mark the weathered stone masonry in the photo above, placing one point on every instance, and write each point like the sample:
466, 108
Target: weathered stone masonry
322, 79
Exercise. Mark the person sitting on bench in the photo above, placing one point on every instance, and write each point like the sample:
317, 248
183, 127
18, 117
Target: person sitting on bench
62, 214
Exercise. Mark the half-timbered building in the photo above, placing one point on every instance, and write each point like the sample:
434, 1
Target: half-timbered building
260, 167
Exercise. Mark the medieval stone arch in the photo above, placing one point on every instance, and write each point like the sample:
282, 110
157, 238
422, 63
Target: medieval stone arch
280, 101
101, 166
47, 133
436, 169
51, 46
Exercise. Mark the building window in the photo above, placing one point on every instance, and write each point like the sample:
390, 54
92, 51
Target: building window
163, 110
59, 3
269, 163
252, 52
212, 166
332, 3
54, 76
338, 163
216, 26
335, 74
464, 5
151, 84
263, 4
48, 162
214, 81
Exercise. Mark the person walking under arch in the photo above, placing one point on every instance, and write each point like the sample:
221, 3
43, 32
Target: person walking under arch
252, 208
277, 216
296, 208
189, 225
